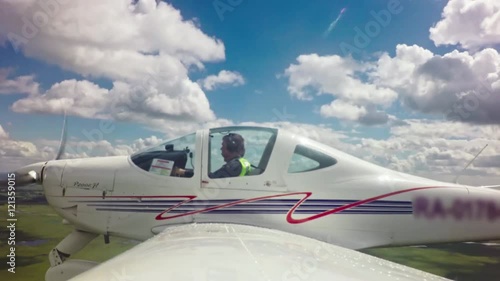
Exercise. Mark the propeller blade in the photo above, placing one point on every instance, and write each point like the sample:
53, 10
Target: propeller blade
31, 174
64, 134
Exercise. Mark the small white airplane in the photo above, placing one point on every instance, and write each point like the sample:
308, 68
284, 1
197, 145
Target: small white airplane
300, 214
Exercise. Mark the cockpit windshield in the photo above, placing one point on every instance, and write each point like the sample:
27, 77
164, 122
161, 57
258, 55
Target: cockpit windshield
255, 145
162, 159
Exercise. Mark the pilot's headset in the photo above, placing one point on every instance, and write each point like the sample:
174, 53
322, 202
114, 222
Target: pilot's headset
232, 145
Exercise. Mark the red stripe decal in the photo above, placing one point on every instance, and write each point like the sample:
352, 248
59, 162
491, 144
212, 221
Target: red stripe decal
290, 213
291, 220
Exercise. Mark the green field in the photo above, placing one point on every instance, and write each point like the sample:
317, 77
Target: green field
458, 261
39, 224
41, 227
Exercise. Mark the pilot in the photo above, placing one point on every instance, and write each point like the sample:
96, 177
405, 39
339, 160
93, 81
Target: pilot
232, 150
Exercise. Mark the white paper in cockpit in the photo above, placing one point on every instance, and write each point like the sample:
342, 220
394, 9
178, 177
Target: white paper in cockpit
161, 167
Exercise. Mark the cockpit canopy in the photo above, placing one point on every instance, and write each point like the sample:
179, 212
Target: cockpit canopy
259, 143
181, 152
162, 158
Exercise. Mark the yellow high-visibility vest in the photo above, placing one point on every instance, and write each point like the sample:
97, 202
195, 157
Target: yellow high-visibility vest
245, 167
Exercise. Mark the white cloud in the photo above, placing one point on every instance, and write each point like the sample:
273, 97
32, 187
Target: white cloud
434, 149
17, 153
437, 149
459, 85
17, 148
356, 99
140, 103
336, 76
320, 133
397, 71
146, 49
180, 127
141, 143
224, 77
472, 24
343, 110
367, 115
446, 129
20, 85
80, 98
84, 149
107, 38
456, 83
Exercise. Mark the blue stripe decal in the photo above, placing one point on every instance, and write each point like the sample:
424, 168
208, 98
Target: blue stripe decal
264, 206
184, 210
257, 211
287, 206
218, 202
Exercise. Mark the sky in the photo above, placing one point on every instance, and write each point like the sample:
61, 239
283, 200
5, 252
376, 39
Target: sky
410, 85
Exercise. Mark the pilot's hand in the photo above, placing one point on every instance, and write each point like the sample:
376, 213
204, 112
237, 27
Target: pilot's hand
178, 172
175, 171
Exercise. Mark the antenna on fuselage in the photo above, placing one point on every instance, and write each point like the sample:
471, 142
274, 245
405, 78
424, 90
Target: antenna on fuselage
456, 178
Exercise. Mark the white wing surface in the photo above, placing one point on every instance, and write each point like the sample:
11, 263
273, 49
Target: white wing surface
236, 252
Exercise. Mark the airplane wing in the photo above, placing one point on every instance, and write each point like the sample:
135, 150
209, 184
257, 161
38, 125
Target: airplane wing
238, 252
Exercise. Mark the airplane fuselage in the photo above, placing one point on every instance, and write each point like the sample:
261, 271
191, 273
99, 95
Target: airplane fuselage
112, 196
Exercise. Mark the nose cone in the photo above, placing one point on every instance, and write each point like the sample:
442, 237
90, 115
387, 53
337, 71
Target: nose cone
29, 174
